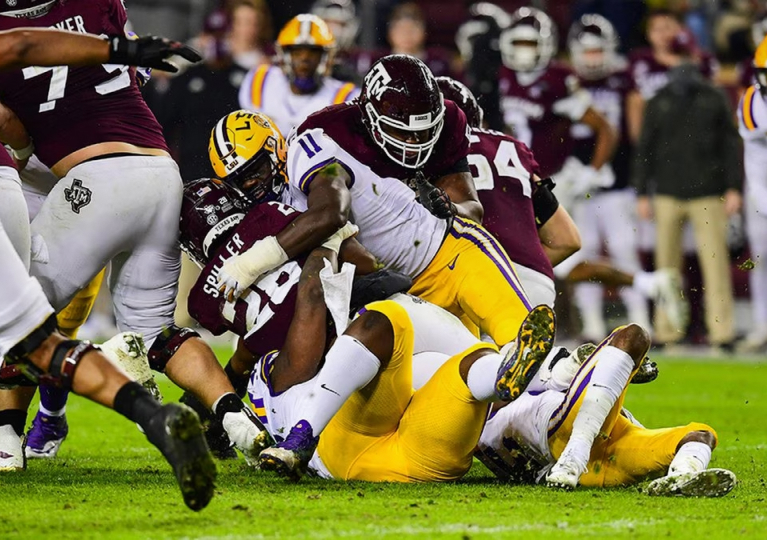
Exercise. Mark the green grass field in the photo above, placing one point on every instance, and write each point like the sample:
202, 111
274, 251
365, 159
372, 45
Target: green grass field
108, 482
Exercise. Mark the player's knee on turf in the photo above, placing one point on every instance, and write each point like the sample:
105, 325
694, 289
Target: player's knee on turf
702, 433
634, 340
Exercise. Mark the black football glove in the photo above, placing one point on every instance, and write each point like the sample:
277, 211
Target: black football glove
149, 51
434, 199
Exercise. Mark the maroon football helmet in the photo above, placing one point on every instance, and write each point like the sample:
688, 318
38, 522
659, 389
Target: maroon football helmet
460, 95
25, 9
403, 109
209, 210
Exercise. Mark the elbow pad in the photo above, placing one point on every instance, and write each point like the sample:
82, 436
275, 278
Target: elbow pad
545, 203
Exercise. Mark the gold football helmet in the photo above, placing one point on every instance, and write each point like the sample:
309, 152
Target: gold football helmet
760, 66
306, 31
248, 152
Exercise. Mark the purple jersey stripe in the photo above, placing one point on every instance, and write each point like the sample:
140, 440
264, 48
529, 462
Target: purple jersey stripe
571, 401
751, 110
503, 265
308, 176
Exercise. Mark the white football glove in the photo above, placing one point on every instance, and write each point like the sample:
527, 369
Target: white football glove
334, 242
241, 271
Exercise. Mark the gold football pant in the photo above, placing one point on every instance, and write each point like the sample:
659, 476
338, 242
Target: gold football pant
472, 275
72, 317
623, 453
387, 433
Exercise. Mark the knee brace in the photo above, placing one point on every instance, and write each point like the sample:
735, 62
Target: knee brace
64, 362
166, 345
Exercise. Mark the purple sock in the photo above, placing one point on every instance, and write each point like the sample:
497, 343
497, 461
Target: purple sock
53, 401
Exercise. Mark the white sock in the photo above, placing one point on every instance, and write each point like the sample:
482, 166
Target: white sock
349, 366
45, 411
482, 376
691, 457
608, 380
562, 373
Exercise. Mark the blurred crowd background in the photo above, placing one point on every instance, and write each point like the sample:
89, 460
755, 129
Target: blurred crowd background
238, 35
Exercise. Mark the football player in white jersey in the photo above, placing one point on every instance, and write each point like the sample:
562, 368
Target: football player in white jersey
574, 431
752, 120
31, 348
301, 83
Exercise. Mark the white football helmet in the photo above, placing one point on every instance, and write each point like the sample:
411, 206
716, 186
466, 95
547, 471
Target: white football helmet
593, 45
530, 41
341, 17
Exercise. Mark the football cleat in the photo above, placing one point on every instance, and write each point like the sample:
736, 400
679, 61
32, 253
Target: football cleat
290, 458
176, 431
46, 436
215, 434
128, 351
647, 372
566, 473
754, 342
247, 433
522, 361
706, 483
12, 456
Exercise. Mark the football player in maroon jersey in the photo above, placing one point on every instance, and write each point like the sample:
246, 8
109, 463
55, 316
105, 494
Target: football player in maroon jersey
30, 344
541, 99
537, 233
117, 200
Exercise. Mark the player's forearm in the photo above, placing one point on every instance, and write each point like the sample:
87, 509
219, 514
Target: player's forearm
600, 272
328, 209
634, 113
559, 237
12, 131
39, 47
607, 142
470, 210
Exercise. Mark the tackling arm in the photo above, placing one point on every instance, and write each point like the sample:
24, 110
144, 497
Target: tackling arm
39, 47
460, 188
299, 359
559, 236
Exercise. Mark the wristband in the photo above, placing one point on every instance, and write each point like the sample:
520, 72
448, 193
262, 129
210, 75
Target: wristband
545, 203
265, 255
334, 242
24, 153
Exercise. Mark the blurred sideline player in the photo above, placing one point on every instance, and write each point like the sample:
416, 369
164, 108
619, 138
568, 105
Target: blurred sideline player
541, 99
30, 345
609, 214
576, 434
343, 22
752, 125
523, 213
380, 433
301, 83
353, 160
117, 200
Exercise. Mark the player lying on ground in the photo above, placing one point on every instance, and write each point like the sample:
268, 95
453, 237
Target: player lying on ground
286, 310
523, 213
117, 200
354, 159
576, 434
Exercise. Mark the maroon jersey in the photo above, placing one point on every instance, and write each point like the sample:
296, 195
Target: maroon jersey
65, 108
746, 73
343, 123
608, 97
541, 111
502, 168
5, 159
263, 315
648, 75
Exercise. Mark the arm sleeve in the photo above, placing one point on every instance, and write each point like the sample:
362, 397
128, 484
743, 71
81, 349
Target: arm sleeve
545, 203
309, 152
